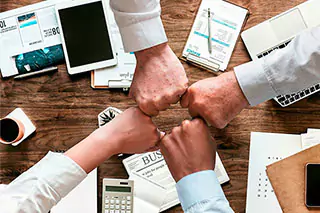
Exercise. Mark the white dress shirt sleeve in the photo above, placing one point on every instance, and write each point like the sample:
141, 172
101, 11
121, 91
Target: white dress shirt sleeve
285, 71
139, 23
42, 186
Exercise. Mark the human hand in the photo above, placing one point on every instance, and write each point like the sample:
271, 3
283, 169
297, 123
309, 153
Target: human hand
159, 79
130, 132
188, 149
218, 100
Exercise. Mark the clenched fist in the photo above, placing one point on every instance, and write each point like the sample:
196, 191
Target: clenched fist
159, 79
218, 100
132, 132
188, 149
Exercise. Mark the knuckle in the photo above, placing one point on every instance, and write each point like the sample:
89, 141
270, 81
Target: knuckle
197, 122
165, 141
175, 130
186, 123
220, 125
198, 103
156, 99
182, 88
193, 89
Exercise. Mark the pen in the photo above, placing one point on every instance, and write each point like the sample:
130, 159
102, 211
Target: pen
50, 69
209, 32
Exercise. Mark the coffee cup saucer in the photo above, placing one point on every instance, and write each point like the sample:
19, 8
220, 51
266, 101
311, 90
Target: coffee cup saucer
18, 114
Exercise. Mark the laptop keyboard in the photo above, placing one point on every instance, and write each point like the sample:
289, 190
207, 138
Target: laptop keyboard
286, 100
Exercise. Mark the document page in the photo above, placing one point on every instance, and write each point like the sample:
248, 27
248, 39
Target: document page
148, 196
265, 149
153, 166
226, 22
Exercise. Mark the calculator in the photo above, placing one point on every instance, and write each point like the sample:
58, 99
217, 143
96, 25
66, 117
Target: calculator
117, 196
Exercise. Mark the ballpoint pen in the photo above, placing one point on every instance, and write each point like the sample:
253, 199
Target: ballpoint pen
209, 32
50, 69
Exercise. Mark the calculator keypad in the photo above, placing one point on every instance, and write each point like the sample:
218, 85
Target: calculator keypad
118, 204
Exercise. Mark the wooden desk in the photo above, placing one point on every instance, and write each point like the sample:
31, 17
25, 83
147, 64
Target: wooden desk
65, 108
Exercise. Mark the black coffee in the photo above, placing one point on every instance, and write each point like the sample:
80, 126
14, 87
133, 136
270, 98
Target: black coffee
9, 130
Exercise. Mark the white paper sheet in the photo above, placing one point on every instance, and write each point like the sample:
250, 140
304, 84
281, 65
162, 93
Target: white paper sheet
148, 196
310, 130
3, 187
82, 199
265, 149
310, 139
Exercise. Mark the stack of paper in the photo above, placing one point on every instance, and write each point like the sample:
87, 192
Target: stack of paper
311, 138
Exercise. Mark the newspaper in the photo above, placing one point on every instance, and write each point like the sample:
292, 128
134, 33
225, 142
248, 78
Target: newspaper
153, 166
27, 29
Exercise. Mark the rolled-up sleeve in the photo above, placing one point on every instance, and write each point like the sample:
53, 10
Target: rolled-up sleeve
201, 192
287, 70
139, 23
42, 186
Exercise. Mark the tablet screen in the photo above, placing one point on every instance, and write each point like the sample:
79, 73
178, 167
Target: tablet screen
86, 34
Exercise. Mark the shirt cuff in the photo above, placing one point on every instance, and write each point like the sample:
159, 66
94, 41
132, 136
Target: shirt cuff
143, 35
198, 187
60, 172
254, 82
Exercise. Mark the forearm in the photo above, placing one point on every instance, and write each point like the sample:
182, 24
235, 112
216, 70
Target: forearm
93, 150
288, 70
47, 182
201, 192
139, 23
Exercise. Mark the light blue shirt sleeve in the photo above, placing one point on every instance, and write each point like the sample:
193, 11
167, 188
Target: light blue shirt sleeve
201, 193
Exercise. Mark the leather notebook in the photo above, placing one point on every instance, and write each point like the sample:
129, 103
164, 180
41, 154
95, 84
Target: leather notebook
287, 178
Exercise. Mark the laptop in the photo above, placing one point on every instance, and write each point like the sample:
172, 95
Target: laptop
277, 32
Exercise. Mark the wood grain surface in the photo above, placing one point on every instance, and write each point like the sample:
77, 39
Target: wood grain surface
64, 108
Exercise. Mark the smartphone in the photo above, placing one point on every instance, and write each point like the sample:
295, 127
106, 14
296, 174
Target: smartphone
312, 185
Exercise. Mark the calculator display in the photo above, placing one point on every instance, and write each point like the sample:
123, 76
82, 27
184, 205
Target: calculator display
118, 189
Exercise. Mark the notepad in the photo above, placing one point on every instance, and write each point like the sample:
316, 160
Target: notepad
226, 22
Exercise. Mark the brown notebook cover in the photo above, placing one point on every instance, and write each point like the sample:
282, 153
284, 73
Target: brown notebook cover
287, 178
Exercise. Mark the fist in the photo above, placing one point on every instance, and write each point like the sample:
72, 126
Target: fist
188, 149
218, 100
159, 79
132, 132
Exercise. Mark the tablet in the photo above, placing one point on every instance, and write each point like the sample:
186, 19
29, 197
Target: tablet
85, 35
